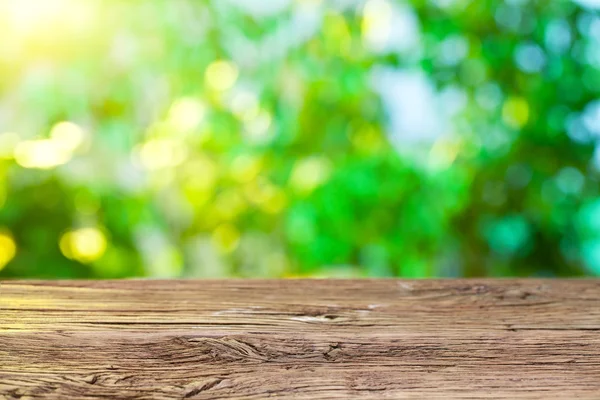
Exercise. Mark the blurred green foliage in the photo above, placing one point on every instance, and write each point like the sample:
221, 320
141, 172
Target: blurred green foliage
299, 138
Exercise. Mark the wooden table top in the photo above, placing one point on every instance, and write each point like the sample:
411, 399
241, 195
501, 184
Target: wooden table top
146, 339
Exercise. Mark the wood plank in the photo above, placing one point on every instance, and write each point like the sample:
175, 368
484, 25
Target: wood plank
452, 339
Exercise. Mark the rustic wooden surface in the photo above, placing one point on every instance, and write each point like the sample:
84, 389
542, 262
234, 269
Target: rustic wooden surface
303, 339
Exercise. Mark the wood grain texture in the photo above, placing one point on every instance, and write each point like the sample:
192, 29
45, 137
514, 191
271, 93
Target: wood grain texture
307, 339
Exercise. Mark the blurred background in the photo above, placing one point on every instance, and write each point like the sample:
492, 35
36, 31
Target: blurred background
292, 138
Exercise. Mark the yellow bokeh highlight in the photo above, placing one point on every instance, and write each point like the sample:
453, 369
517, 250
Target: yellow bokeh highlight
275, 201
67, 135
443, 153
199, 176
268, 197
245, 168
8, 143
310, 173
160, 153
226, 238
376, 24
186, 113
277, 263
64, 138
221, 75
27, 16
8, 249
337, 34
338, 28
515, 112
84, 245
229, 204
41, 154
201, 173
367, 139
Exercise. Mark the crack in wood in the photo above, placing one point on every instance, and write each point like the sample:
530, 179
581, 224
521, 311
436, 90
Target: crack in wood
203, 388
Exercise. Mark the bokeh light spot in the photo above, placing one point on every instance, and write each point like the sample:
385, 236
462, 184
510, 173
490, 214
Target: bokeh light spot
186, 113
245, 168
226, 238
160, 153
201, 173
67, 135
515, 112
530, 58
257, 130
229, 204
310, 173
8, 249
275, 201
8, 143
41, 154
84, 245
443, 153
221, 75
245, 106
376, 23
